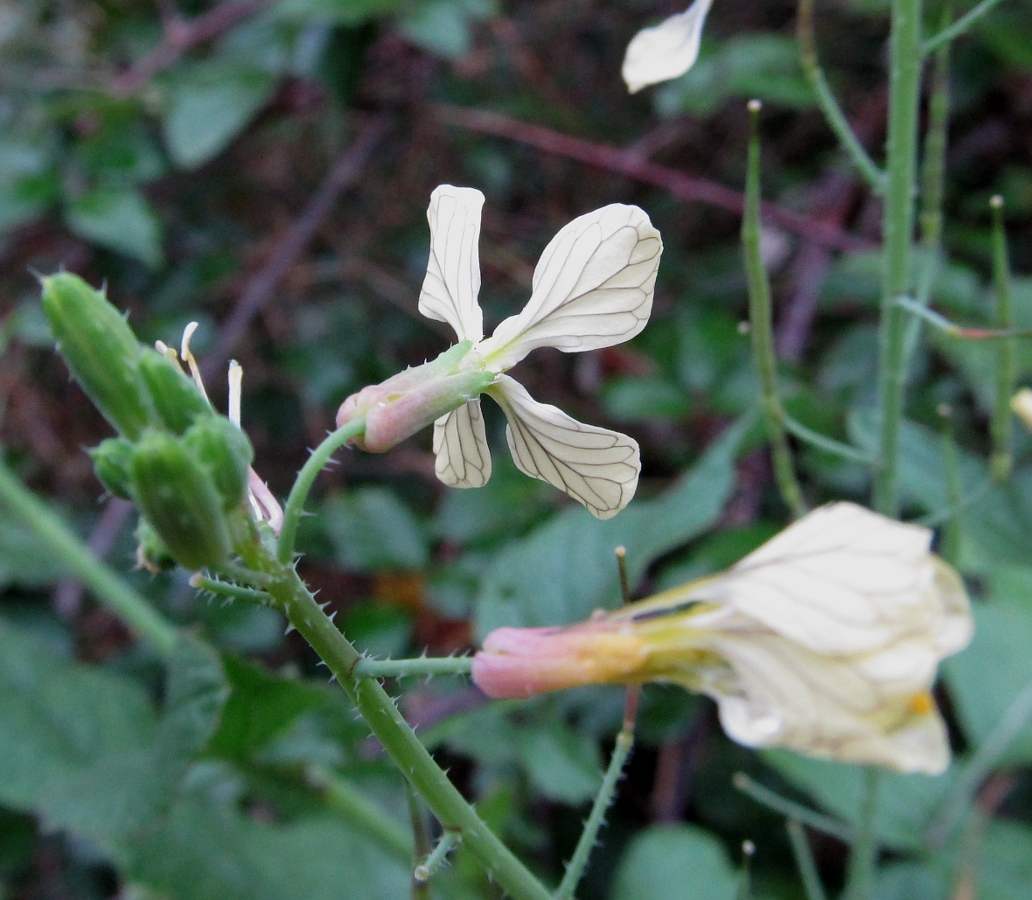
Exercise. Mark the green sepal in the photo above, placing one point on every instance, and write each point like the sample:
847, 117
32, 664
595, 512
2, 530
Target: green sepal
175, 398
112, 462
226, 452
100, 349
178, 497
151, 551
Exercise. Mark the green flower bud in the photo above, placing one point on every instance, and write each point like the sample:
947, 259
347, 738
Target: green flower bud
151, 552
226, 453
112, 461
100, 349
178, 497
173, 394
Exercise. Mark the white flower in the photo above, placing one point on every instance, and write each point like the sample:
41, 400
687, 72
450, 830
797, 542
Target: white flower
592, 288
825, 640
666, 50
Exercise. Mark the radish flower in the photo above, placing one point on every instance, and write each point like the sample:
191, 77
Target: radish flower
666, 50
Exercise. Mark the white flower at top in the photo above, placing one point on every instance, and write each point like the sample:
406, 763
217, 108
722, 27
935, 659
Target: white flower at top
666, 50
592, 288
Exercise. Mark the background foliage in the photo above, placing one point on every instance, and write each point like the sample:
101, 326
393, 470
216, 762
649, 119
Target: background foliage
264, 167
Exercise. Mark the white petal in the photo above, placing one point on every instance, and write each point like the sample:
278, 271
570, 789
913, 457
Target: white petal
452, 280
846, 580
593, 288
666, 50
463, 457
597, 467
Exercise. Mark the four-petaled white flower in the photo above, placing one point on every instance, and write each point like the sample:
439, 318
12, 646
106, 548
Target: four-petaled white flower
825, 640
666, 50
592, 288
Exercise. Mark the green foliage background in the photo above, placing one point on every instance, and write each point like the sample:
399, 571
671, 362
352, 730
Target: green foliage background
264, 168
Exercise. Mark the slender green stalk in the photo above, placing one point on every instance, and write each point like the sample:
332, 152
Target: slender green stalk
744, 889
229, 591
436, 858
792, 810
805, 861
864, 854
107, 587
823, 442
762, 329
354, 806
398, 739
952, 531
897, 227
295, 506
579, 860
409, 668
1000, 428
959, 27
422, 846
833, 114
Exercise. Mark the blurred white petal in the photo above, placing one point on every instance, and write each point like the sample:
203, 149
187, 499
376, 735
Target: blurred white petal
452, 280
597, 467
666, 50
592, 288
463, 457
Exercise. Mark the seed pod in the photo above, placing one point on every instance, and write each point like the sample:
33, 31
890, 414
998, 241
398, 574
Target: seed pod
112, 462
226, 453
100, 349
173, 395
178, 497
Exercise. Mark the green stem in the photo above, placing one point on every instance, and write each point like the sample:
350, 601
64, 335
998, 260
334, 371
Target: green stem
762, 330
897, 227
589, 836
959, 27
408, 668
320, 458
949, 549
398, 739
107, 587
833, 114
792, 810
805, 862
1000, 428
355, 807
823, 442
229, 591
435, 859
864, 853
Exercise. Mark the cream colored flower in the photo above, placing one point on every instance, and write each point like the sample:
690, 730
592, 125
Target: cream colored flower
592, 288
666, 50
825, 640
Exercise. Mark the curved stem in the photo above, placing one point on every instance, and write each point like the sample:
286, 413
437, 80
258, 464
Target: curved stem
959, 27
320, 458
107, 587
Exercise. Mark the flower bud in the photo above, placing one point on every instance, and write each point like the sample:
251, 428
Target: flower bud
407, 402
178, 497
174, 396
112, 462
224, 450
100, 350
151, 552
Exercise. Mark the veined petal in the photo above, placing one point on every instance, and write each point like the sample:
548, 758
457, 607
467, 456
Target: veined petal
597, 467
463, 457
593, 288
452, 280
844, 580
666, 50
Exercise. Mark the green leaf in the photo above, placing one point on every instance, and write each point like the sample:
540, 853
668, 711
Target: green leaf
563, 764
565, 569
119, 218
261, 706
909, 881
444, 27
85, 750
371, 529
24, 562
1004, 866
675, 861
208, 105
344, 12
907, 803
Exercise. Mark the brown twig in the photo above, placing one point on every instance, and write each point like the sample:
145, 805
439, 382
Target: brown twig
633, 165
181, 37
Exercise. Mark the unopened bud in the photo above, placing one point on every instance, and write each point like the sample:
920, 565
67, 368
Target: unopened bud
151, 552
100, 349
112, 462
174, 396
178, 497
226, 453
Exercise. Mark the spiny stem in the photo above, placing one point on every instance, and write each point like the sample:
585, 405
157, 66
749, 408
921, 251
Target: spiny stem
448, 842
226, 589
107, 587
762, 329
833, 114
295, 505
408, 668
1001, 457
